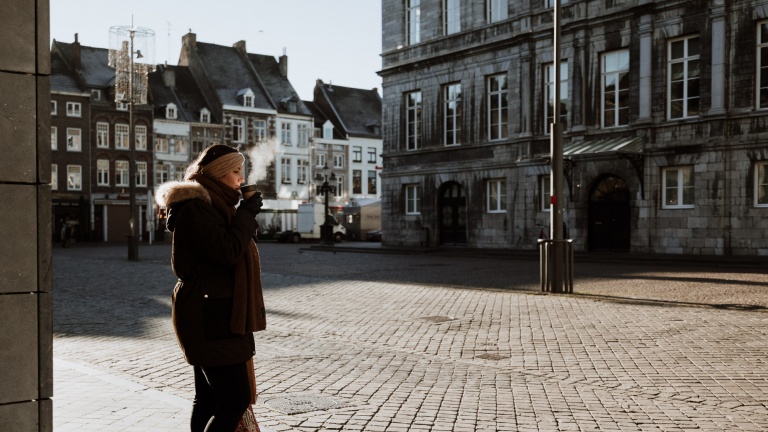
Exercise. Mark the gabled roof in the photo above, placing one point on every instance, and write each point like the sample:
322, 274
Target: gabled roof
62, 78
90, 70
355, 112
229, 74
276, 84
184, 93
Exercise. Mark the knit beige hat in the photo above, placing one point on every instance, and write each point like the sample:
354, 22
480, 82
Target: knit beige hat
223, 165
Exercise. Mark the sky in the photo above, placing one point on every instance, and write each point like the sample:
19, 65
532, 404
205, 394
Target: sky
337, 41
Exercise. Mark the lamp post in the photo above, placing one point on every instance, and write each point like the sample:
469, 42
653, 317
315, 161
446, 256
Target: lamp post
131, 82
326, 229
556, 178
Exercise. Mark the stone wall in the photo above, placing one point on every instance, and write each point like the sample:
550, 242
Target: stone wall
26, 351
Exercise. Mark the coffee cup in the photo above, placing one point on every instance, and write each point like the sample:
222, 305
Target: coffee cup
248, 190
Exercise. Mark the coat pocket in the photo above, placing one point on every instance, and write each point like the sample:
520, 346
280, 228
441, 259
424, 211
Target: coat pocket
217, 314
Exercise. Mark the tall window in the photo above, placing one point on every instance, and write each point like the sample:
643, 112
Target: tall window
285, 134
54, 107
141, 174
452, 114
238, 130
677, 187
161, 174
371, 155
54, 138
413, 119
74, 177
102, 135
497, 10
197, 148
121, 173
761, 184
260, 130
121, 136
338, 161
339, 186
320, 160
302, 135
762, 65
357, 154
372, 182
179, 146
54, 177
302, 171
545, 187
683, 78
140, 133
412, 21
451, 16
412, 200
74, 109
74, 139
161, 145
357, 181
496, 195
285, 170
497, 107
615, 89
549, 88
102, 172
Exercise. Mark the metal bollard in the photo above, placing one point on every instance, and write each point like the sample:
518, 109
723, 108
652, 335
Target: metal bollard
546, 266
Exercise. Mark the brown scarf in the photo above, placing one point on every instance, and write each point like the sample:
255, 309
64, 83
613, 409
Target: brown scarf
248, 313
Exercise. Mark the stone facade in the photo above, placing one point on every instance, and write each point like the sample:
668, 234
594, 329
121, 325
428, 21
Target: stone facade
26, 342
677, 168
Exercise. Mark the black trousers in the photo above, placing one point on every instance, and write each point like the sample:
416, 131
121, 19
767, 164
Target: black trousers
222, 394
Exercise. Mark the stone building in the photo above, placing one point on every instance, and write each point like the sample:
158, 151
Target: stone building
663, 102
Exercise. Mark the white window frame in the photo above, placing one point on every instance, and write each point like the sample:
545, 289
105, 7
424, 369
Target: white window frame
412, 199
54, 138
302, 135
690, 63
54, 177
260, 130
545, 192
498, 106
141, 174
171, 112
122, 132
302, 171
679, 188
338, 161
205, 115
320, 160
102, 172
496, 10
162, 173
412, 22
74, 177
54, 107
452, 112
286, 134
140, 136
372, 157
121, 106
339, 192
496, 196
357, 154
178, 146
451, 16
74, 139
74, 109
285, 171
122, 171
761, 184
96, 94
102, 135
761, 98
412, 121
614, 89
161, 145
549, 94
238, 130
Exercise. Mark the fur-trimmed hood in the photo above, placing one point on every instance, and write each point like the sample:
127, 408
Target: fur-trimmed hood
174, 192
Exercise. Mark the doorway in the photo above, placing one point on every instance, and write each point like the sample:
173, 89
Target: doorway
453, 214
609, 215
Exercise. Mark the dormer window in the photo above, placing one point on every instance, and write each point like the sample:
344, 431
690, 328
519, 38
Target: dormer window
290, 104
96, 94
328, 130
171, 113
248, 98
205, 116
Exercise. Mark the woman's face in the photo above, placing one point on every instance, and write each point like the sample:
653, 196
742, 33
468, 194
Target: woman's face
233, 178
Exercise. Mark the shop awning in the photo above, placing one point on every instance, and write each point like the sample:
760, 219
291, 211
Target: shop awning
611, 145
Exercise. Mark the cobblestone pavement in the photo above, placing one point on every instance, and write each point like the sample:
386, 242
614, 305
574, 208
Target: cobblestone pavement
447, 341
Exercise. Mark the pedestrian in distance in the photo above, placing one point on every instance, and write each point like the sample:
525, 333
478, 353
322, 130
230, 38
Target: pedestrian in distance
64, 234
217, 301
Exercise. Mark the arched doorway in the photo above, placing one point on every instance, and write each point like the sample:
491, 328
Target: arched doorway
453, 214
609, 215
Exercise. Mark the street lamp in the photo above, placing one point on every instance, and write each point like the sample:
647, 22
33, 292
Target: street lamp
326, 230
131, 84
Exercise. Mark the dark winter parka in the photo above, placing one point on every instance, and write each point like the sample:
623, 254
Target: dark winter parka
205, 250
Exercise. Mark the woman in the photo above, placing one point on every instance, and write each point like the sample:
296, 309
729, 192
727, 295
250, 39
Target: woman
217, 302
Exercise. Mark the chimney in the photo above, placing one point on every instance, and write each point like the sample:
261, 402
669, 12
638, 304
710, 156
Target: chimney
240, 46
169, 77
284, 65
76, 60
189, 39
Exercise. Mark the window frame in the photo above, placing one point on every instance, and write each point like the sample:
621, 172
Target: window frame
619, 94
102, 135
497, 108
141, 174
357, 154
413, 106
162, 145
76, 144
372, 182
451, 17
122, 172
761, 63
122, 135
54, 107
545, 193
286, 134
357, 181
285, 171
259, 130
205, 115
549, 90
171, 111
302, 135
238, 130
496, 11
54, 138
302, 171
372, 156
162, 173
102, 172
412, 200
679, 188
78, 170
452, 114
54, 177
74, 109
761, 168
321, 159
412, 22
496, 195
140, 137
686, 60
